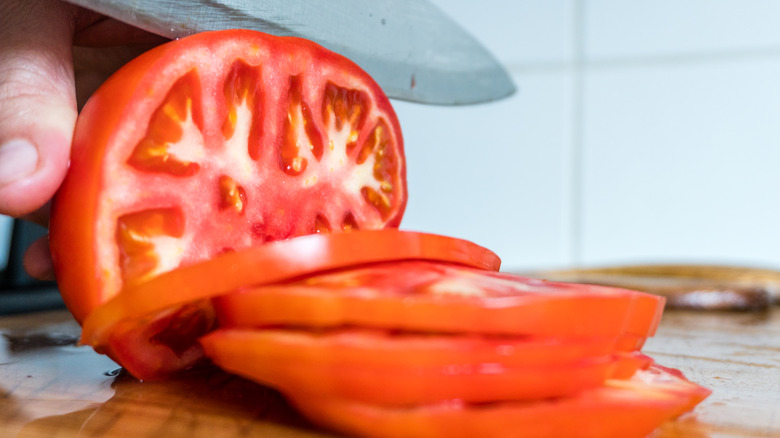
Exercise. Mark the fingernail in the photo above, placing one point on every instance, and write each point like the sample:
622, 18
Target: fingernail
18, 158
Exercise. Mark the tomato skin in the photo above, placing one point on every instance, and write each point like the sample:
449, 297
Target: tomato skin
109, 178
371, 347
619, 409
325, 367
429, 296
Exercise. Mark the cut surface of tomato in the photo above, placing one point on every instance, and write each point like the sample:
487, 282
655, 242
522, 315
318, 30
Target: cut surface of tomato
272, 262
430, 296
619, 409
385, 381
217, 142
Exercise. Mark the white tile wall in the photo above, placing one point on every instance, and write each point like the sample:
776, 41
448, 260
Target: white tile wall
674, 28
680, 144
681, 162
642, 132
499, 173
493, 173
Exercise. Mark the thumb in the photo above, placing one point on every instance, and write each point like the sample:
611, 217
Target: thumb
37, 102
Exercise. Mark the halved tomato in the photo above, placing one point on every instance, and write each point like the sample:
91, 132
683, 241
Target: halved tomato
214, 143
152, 328
405, 380
619, 409
430, 296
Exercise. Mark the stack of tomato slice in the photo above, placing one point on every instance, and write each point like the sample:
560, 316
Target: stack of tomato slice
393, 333
233, 197
429, 349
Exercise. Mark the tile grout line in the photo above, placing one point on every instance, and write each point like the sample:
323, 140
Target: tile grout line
575, 170
634, 62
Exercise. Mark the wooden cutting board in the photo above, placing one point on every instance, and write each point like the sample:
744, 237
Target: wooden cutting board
51, 388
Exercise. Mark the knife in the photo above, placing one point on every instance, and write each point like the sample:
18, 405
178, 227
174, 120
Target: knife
411, 48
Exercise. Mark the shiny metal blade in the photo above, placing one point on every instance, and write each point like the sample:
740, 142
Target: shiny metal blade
410, 47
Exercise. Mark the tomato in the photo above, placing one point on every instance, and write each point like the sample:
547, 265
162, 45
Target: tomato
618, 409
325, 367
126, 329
429, 296
214, 143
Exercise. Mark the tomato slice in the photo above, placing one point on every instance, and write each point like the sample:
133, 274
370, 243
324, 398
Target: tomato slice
217, 142
406, 380
162, 344
429, 296
128, 318
360, 346
669, 380
619, 409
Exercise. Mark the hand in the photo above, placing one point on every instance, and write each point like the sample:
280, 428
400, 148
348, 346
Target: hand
53, 55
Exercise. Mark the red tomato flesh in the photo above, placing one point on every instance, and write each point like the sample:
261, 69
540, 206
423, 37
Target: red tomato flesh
619, 409
429, 296
217, 142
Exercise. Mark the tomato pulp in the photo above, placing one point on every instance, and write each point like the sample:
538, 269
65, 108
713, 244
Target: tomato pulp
214, 143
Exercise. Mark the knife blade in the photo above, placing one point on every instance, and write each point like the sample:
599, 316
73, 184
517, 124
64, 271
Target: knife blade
411, 48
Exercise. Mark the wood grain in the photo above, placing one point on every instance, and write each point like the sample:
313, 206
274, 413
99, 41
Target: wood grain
51, 388
706, 287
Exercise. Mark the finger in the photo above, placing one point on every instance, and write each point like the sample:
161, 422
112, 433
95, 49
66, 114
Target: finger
37, 260
37, 102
